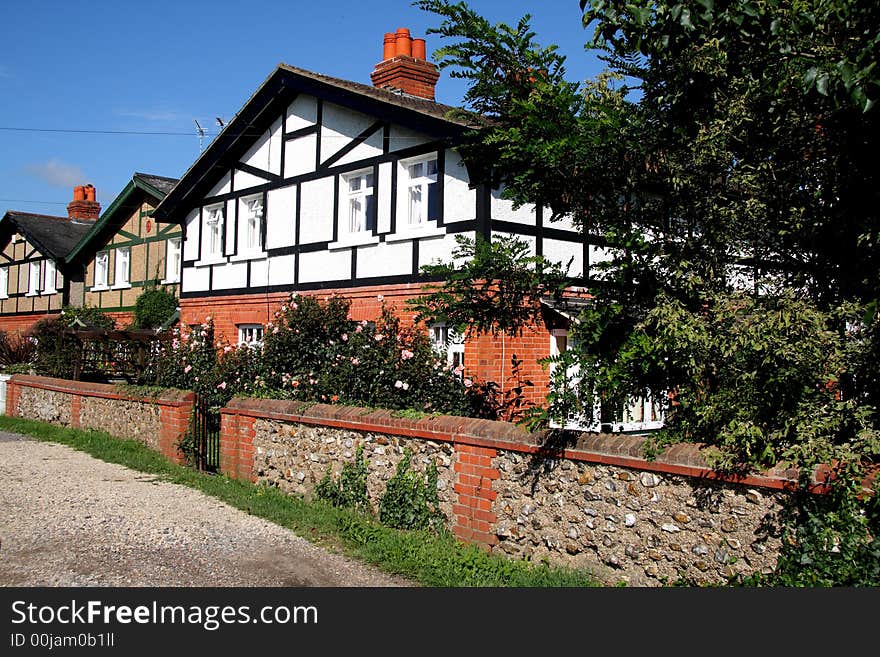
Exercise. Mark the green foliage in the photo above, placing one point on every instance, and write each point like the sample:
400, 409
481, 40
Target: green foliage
91, 317
831, 539
489, 286
737, 193
350, 491
54, 347
410, 499
154, 307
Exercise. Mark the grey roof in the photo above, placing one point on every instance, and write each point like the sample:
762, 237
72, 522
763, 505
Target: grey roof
161, 183
422, 105
53, 236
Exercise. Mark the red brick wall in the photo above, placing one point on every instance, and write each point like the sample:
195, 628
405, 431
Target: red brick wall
123, 319
21, 324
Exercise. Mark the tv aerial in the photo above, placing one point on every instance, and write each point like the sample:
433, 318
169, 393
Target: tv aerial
201, 132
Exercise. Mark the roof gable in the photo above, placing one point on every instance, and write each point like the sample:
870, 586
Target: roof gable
269, 101
51, 235
155, 187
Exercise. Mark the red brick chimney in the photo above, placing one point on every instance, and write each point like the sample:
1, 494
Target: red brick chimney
404, 66
84, 206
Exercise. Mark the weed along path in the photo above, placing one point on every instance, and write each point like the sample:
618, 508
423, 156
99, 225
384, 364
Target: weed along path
69, 519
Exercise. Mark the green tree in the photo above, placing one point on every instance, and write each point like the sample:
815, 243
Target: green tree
743, 164
727, 158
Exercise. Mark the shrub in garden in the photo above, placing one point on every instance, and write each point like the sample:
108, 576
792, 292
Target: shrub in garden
153, 308
15, 350
313, 351
55, 348
350, 490
410, 499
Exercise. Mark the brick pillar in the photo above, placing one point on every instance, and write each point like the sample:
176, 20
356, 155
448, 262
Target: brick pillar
237, 445
175, 420
474, 519
75, 411
12, 392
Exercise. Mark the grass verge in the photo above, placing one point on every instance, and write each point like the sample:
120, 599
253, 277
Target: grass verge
427, 558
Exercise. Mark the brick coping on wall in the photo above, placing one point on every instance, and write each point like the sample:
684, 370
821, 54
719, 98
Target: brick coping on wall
169, 397
684, 459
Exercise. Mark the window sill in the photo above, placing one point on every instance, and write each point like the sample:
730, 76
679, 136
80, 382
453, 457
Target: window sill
123, 286
209, 261
250, 255
170, 282
356, 239
415, 233
98, 288
46, 293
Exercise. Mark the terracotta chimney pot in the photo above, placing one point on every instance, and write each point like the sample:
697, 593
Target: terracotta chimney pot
79, 193
418, 49
405, 68
403, 44
90, 193
389, 46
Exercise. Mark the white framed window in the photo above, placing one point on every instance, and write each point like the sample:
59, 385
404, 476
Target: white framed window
450, 344
4, 282
49, 278
642, 413
34, 278
251, 223
359, 202
173, 260
422, 192
213, 240
101, 260
250, 334
121, 267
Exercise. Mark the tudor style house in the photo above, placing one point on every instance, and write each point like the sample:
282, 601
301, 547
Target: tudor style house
35, 281
323, 185
126, 251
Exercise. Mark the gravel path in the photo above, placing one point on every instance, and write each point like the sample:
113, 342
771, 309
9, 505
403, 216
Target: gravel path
67, 519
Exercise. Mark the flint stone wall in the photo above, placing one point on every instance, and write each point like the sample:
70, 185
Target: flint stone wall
140, 420
159, 422
593, 503
644, 528
295, 458
44, 405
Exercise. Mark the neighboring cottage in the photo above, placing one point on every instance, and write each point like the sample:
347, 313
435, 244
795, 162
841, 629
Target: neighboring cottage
127, 251
35, 281
323, 185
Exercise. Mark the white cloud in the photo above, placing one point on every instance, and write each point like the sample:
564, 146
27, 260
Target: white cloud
57, 173
151, 115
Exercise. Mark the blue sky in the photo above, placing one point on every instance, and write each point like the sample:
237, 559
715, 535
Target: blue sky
74, 76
